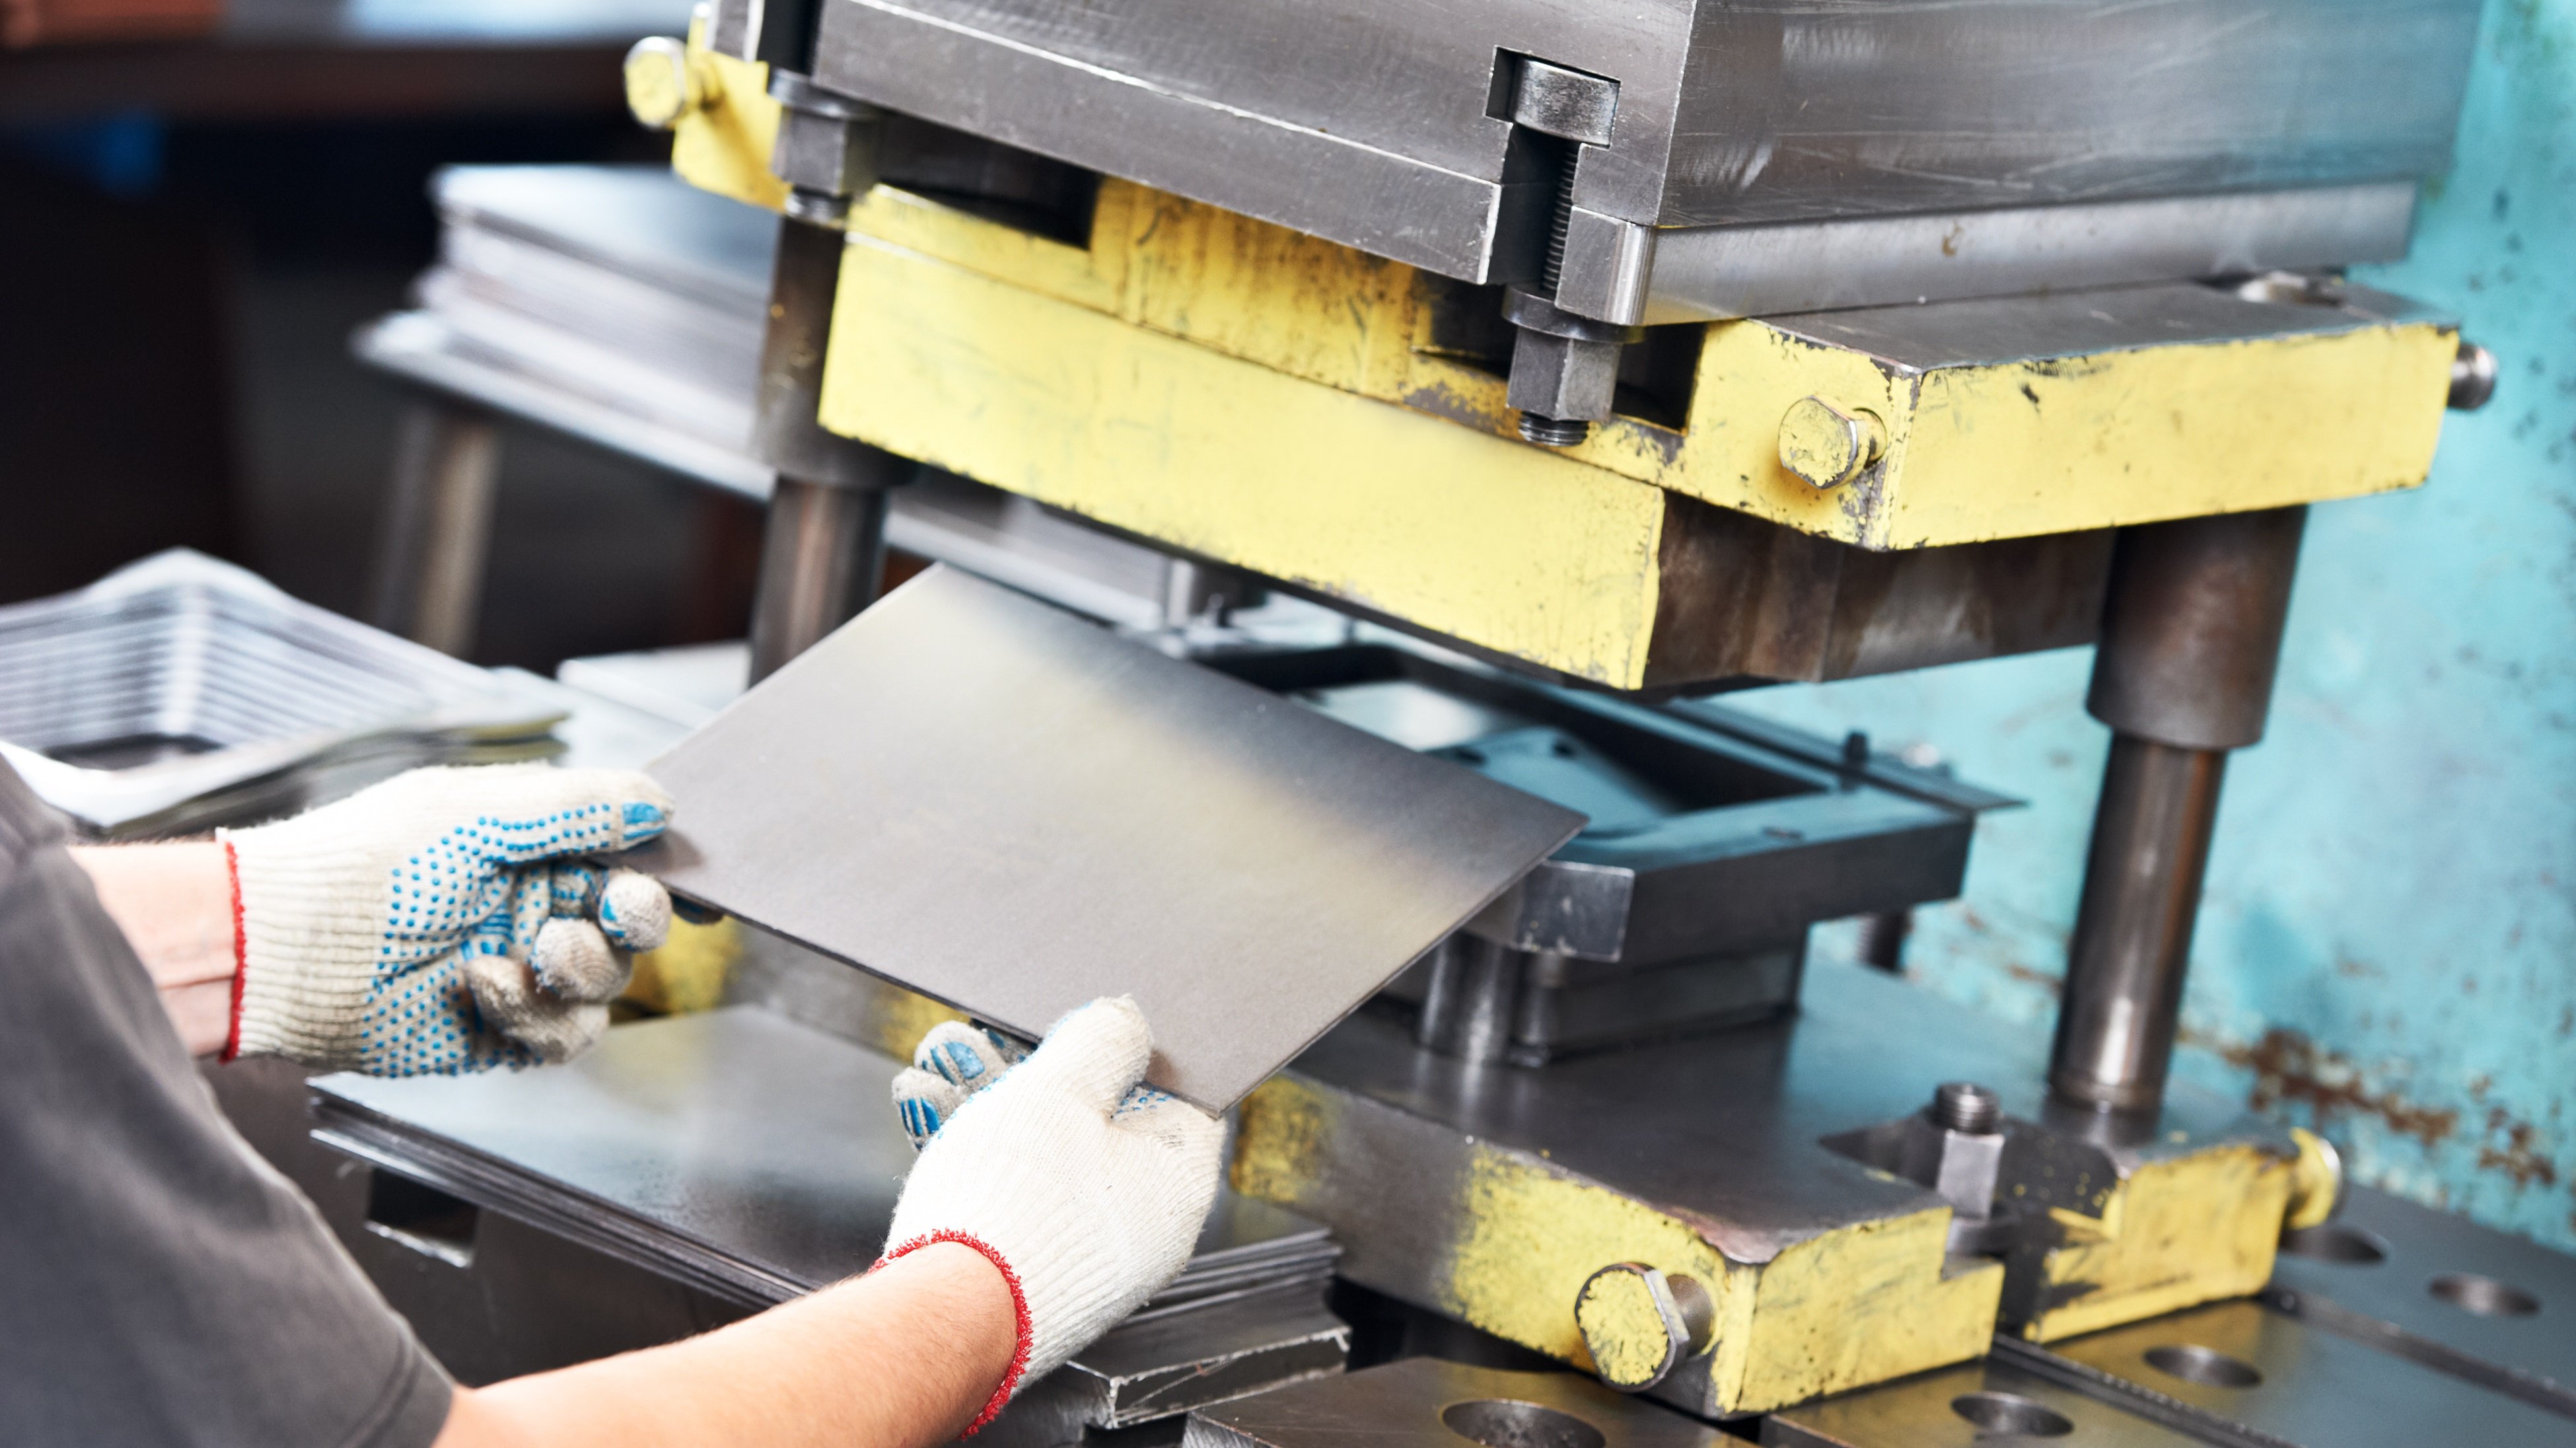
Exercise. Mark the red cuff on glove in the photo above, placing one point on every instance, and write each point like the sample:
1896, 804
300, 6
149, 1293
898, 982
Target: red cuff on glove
1019, 1299
241, 956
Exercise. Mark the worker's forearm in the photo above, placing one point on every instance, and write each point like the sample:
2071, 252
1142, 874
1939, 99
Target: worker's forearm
901, 1358
174, 903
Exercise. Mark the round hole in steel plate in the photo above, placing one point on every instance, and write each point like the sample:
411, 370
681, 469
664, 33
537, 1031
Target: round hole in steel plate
1504, 1423
2484, 1296
2010, 1413
2335, 1242
2204, 1365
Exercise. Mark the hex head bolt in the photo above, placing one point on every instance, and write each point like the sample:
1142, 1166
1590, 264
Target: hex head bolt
1640, 1322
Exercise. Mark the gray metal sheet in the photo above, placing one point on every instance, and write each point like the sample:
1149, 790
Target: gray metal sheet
755, 1159
736, 1149
637, 221
759, 1154
2389, 1298
1931, 1411
1015, 812
1699, 841
2305, 1387
1709, 273
2007, 329
1415, 1403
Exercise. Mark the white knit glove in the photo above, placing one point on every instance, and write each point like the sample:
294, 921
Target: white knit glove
1084, 1188
444, 920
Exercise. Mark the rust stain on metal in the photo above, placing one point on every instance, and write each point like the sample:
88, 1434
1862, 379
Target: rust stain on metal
2516, 1158
2050, 981
2289, 1067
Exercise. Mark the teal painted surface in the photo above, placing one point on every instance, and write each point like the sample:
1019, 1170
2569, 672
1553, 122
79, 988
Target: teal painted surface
2389, 941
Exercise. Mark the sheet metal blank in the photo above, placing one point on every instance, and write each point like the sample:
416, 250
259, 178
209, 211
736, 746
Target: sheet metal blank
1010, 810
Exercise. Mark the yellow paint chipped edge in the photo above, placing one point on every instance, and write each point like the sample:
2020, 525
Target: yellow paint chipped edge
1504, 546
2265, 422
722, 144
2175, 1233
1842, 1310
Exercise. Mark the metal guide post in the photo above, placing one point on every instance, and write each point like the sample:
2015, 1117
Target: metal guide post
438, 527
2191, 638
823, 558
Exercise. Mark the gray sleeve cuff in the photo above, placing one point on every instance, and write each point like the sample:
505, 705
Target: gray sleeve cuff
413, 1407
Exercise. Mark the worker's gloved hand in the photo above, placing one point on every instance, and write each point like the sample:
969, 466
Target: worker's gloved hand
444, 920
1086, 1189
952, 1063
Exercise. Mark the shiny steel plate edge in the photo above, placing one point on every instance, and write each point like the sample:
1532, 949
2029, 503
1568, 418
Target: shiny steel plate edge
1239, 157
1010, 810
1717, 273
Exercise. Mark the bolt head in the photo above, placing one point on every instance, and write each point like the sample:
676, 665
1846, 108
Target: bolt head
1825, 446
2473, 378
659, 88
1639, 1323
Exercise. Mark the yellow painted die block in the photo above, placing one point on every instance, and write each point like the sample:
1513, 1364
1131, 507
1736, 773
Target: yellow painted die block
1505, 1240
1268, 400
2031, 415
721, 141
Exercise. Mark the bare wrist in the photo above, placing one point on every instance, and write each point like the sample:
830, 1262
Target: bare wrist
174, 905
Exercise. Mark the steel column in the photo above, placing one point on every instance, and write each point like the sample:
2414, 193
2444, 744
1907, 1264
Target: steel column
821, 561
2191, 639
1474, 996
823, 555
438, 525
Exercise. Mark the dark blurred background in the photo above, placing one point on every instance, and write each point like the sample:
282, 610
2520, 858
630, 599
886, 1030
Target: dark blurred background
190, 230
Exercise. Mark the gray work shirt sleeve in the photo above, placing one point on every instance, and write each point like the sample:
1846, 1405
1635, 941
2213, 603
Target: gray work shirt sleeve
159, 1282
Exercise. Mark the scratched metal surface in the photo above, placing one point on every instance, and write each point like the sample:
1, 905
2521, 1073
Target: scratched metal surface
1010, 810
2392, 904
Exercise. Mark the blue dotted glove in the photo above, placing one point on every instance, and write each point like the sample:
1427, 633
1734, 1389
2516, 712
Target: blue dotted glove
953, 1062
1084, 1186
444, 920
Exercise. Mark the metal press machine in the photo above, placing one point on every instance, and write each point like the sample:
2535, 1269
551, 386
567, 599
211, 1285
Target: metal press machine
1652, 351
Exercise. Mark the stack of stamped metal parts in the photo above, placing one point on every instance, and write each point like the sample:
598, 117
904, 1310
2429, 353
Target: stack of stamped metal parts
747, 1158
181, 693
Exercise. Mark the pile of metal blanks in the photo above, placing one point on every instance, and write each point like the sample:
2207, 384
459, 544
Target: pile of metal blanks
611, 301
753, 1158
623, 307
180, 693
1715, 841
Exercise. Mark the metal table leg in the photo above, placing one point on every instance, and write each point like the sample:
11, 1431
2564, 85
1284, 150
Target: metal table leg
438, 529
2191, 638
